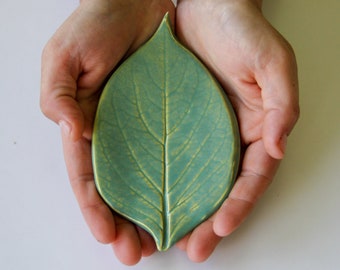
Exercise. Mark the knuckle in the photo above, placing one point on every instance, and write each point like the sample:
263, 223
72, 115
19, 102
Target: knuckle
45, 107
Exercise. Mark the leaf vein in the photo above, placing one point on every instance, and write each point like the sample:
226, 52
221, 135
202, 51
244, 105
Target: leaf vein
196, 177
181, 119
147, 177
186, 144
129, 186
193, 158
150, 131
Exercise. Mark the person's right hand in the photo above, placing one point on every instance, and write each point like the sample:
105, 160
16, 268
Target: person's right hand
76, 63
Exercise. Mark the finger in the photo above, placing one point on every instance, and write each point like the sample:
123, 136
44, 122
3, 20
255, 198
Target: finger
79, 165
202, 242
258, 170
127, 246
148, 245
279, 84
68, 80
58, 88
183, 243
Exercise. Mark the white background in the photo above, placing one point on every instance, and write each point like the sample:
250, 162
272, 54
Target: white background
295, 226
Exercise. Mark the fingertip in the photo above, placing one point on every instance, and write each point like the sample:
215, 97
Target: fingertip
276, 148
71, 128
101, 222
182, 244
105, 236
275, 129
230, 216
65, 128
148, 244
69, 131
202, 242
223, 224
221, 229
125, 255
127, 246
282, 145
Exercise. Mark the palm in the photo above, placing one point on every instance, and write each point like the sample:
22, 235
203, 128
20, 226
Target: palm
88, 46
231, 55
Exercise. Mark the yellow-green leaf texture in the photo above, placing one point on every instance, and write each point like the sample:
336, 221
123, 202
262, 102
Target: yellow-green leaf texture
165, 143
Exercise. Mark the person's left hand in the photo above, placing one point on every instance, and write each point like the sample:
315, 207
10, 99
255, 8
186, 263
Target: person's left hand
256, 67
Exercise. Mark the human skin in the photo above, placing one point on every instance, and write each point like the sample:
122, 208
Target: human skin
252, 61
256, 66
75, 64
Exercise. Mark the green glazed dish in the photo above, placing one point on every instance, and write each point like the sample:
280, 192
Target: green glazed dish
166, 145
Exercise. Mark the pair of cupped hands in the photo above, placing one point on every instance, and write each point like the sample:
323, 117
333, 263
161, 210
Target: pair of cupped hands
254, 64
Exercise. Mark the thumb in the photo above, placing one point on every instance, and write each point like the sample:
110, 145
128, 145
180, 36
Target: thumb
65, 111
59, 105
275, 131
279, 84
58, 92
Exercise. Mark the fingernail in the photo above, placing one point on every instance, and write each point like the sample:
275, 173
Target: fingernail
65, 127
283, 143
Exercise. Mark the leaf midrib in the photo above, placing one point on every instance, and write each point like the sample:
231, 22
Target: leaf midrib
166, 210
